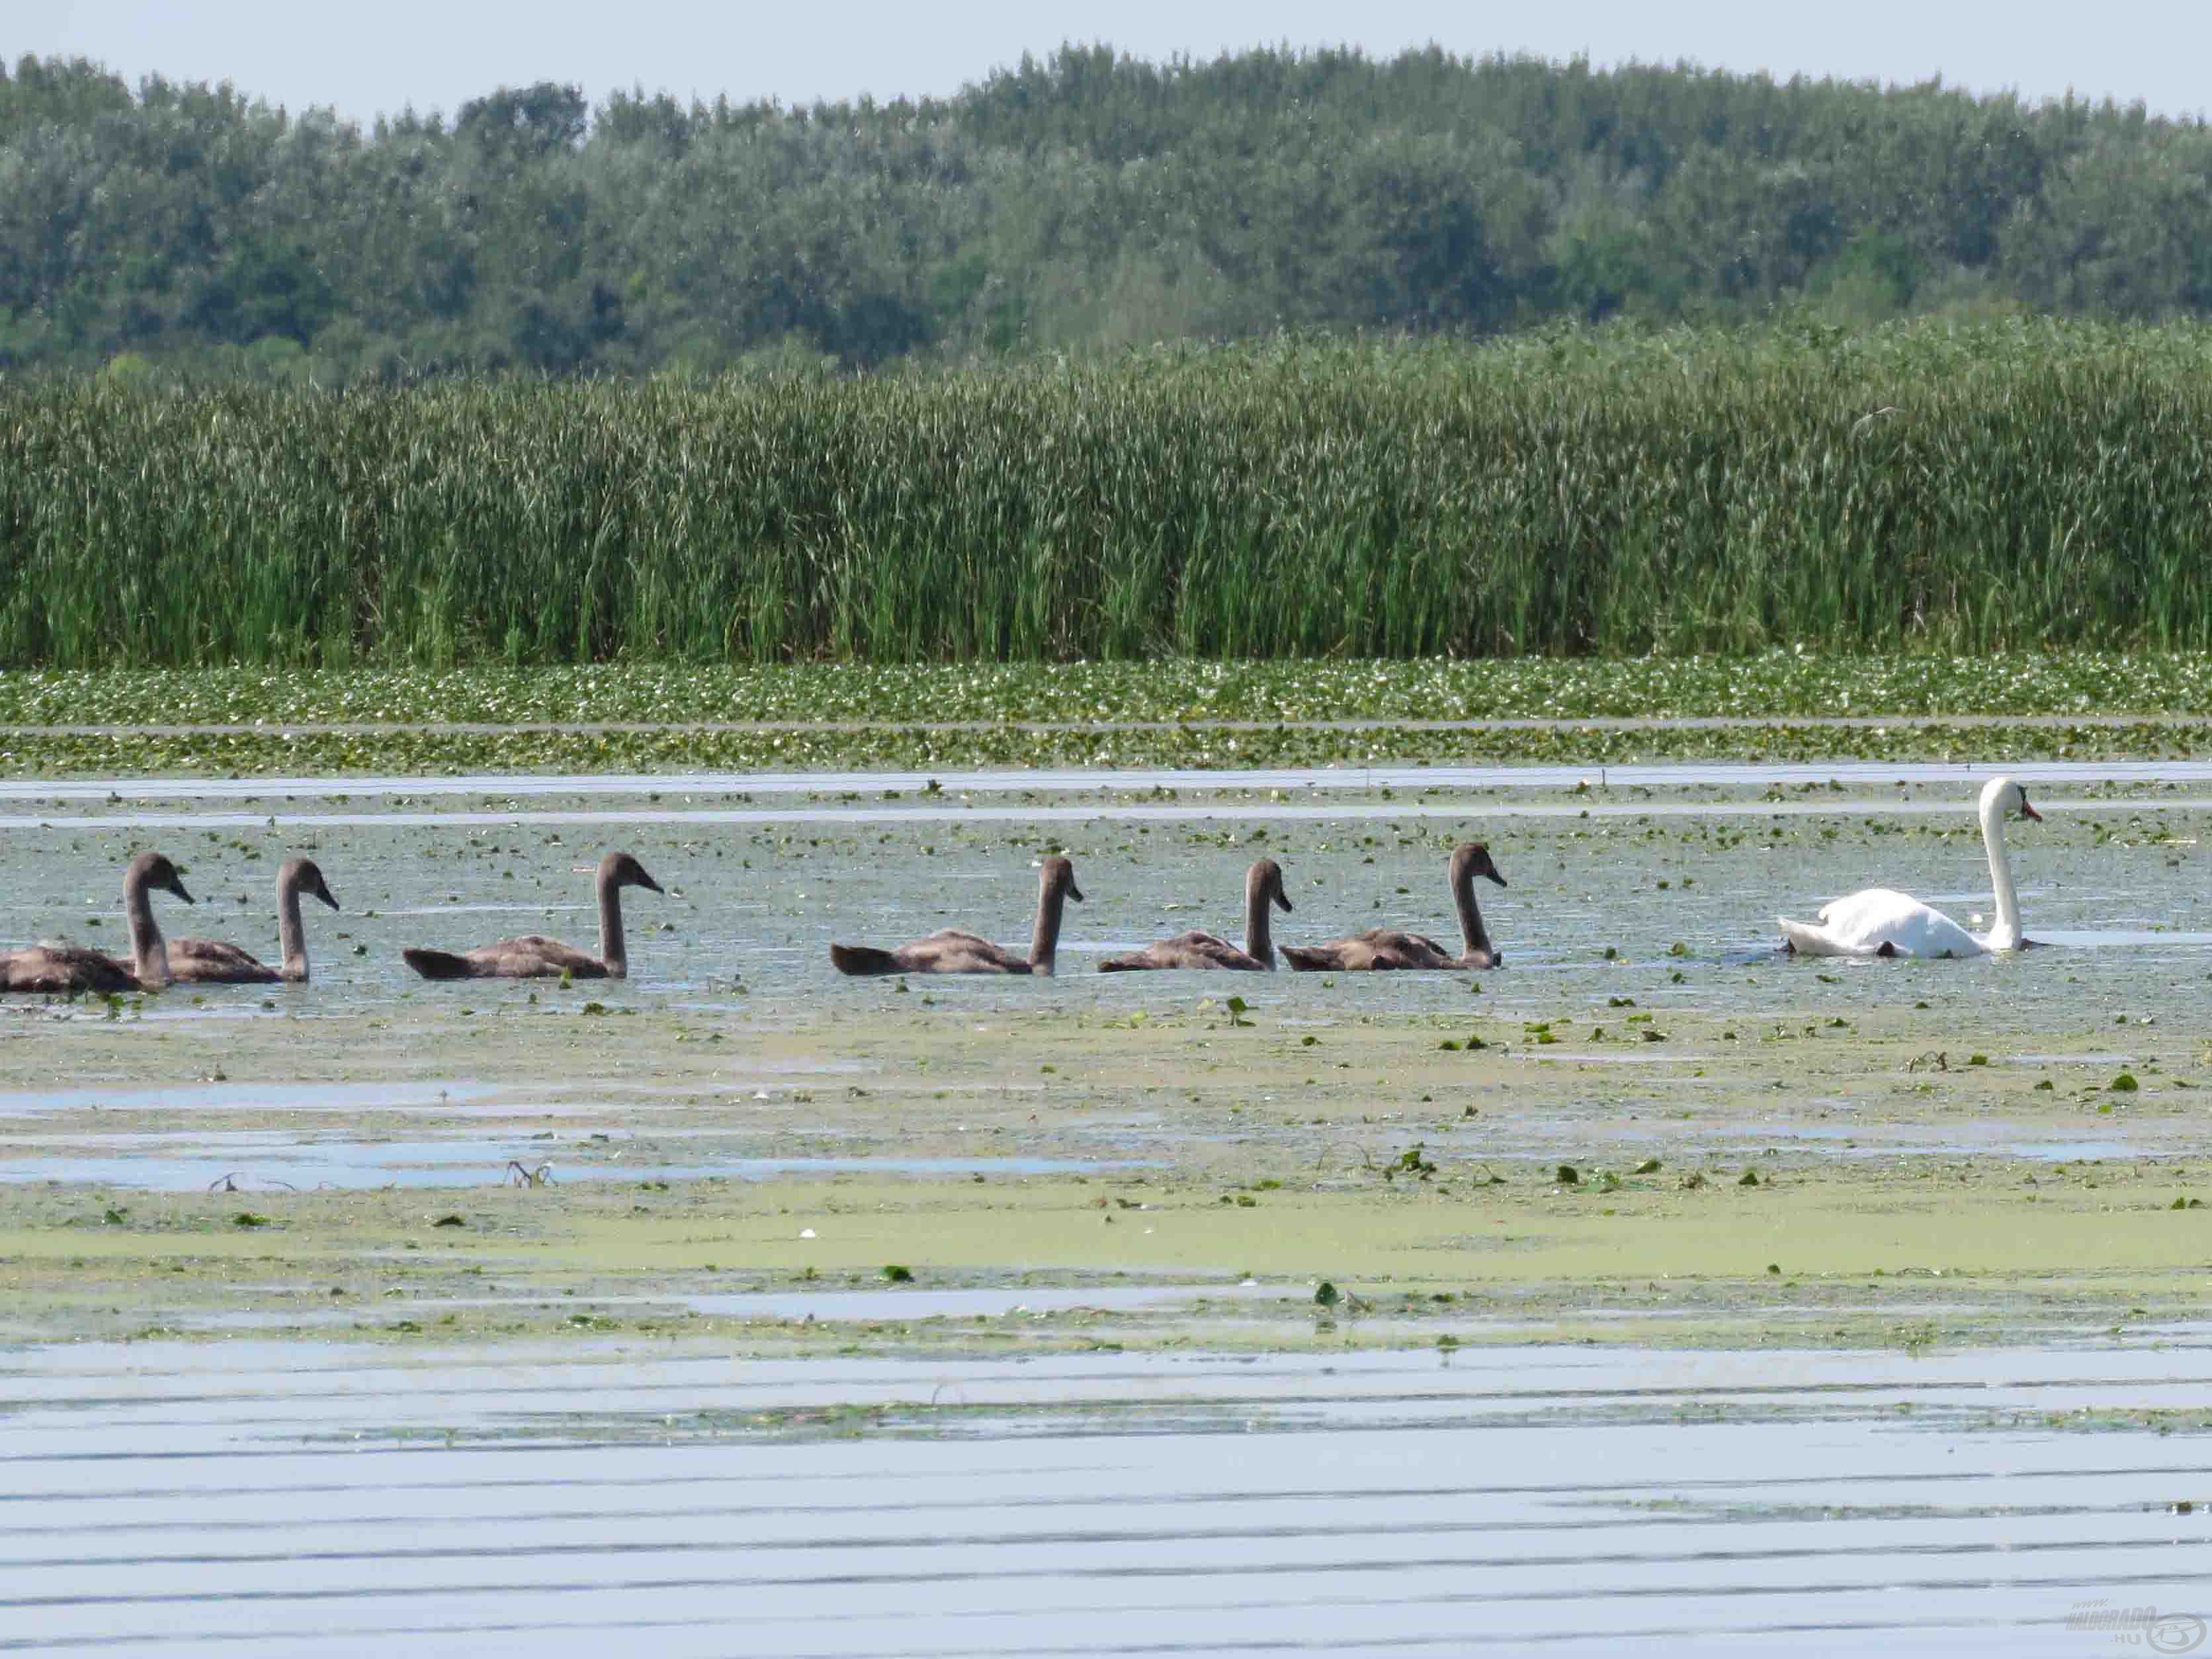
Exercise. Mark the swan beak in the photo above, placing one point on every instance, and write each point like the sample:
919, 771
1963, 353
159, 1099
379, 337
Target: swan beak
1495, 876
2028, 811
1075, 892
324, 893
1283, 899
177, 887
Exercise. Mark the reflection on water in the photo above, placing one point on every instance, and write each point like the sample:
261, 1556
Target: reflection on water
2100, 938
263, 1162
307, 1500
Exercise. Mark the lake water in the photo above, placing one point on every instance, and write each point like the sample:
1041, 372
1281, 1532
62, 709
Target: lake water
286, 1498
301, 1498
1684, 879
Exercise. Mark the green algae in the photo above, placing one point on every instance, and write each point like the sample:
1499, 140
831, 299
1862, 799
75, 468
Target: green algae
2000, 1244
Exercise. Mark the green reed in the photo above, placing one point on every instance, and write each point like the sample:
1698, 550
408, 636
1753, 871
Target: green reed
1911, 488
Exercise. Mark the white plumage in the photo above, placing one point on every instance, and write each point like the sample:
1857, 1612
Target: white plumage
1880, 922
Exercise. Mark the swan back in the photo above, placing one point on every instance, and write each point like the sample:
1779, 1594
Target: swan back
58, 969
1378, 950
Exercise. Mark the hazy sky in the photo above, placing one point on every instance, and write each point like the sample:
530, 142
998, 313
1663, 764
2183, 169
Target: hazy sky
364, 59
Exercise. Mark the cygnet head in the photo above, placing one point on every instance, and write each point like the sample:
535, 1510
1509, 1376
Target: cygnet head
1471, 859
1266, 876
1058, 876
624, 870
307, 876
154, 870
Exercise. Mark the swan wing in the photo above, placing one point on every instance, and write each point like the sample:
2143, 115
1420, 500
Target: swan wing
951, 951
956, 936
1378, 950
1191, 950
56, 969
1395, 949
1202, 949
215, 962
533, 955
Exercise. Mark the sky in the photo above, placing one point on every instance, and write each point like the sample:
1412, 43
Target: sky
364, 60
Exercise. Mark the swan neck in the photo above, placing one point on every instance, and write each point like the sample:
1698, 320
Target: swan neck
1473, 936
2007, 931
1044, 942
1259, 926
149, 952
291, 938
612, 949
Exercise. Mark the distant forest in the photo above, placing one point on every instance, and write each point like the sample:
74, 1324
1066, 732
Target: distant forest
1084, 202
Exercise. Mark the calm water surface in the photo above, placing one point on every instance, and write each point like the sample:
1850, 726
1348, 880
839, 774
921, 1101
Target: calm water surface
163, 1500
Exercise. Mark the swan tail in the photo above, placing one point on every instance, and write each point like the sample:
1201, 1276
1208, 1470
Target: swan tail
435, 964
863, 959
1803, 939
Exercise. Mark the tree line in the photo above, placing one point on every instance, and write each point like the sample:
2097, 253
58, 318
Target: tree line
1080, 202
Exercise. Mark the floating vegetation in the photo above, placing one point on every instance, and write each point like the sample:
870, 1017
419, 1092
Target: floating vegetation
124, 752
1773, 685
645, 718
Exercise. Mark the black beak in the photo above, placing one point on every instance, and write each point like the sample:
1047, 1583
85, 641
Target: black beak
324, 893
1075, 892
644, 880
177, 887
1494, 876
1283, 899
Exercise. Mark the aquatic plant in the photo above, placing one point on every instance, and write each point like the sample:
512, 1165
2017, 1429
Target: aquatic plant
1773, 684
1910, 489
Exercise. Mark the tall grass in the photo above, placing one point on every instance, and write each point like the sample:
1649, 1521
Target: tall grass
2000, 488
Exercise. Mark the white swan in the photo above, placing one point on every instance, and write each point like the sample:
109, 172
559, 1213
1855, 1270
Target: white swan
1880, 922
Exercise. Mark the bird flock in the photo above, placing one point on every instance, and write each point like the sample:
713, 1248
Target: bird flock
1878, 921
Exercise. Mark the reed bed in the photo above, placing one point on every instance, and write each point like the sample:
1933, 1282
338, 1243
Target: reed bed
1914, 488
